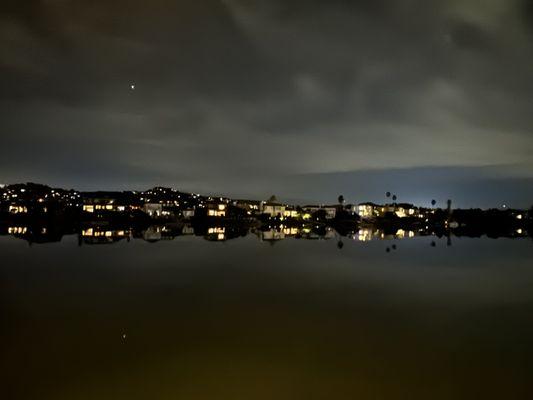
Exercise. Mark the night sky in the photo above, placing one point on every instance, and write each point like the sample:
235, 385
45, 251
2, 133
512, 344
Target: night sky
303, 99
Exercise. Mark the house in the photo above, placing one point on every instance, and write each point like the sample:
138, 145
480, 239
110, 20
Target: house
154, 210
250, 206
368, 210
329, 212
291, 212
188, 213
272, 209
405, 210
95, 202
216, 209
371, 210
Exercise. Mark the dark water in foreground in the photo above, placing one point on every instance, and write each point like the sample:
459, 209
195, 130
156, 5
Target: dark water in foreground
191, 319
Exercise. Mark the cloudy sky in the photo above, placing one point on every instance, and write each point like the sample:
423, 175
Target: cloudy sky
306, 99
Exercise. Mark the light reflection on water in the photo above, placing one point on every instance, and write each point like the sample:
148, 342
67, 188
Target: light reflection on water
194, 319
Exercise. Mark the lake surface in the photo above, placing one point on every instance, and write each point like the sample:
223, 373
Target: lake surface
249, 319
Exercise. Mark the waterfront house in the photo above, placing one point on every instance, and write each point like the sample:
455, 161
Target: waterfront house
116, 202
216, 209
273, 209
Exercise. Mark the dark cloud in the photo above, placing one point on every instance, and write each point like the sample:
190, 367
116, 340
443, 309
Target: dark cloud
234, 95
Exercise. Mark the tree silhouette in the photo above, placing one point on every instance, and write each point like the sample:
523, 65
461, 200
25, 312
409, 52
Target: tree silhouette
433, 202
394, 197
341, 199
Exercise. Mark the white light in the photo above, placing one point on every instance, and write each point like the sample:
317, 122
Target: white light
132, 86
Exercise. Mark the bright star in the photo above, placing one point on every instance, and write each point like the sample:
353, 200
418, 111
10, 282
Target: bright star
132, 86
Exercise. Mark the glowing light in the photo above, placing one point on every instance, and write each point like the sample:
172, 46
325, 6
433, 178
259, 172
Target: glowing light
17, 209
17, 230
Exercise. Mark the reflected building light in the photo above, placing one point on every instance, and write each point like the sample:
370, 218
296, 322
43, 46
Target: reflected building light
364, 235
17, 230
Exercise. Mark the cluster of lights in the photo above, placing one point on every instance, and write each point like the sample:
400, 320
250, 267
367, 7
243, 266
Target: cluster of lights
220, 232
90, 232
17, 230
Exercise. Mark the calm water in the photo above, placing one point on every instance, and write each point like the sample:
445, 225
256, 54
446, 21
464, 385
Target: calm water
244, 319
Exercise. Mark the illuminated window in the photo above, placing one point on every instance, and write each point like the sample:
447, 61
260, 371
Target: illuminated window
17, 209
87, 232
